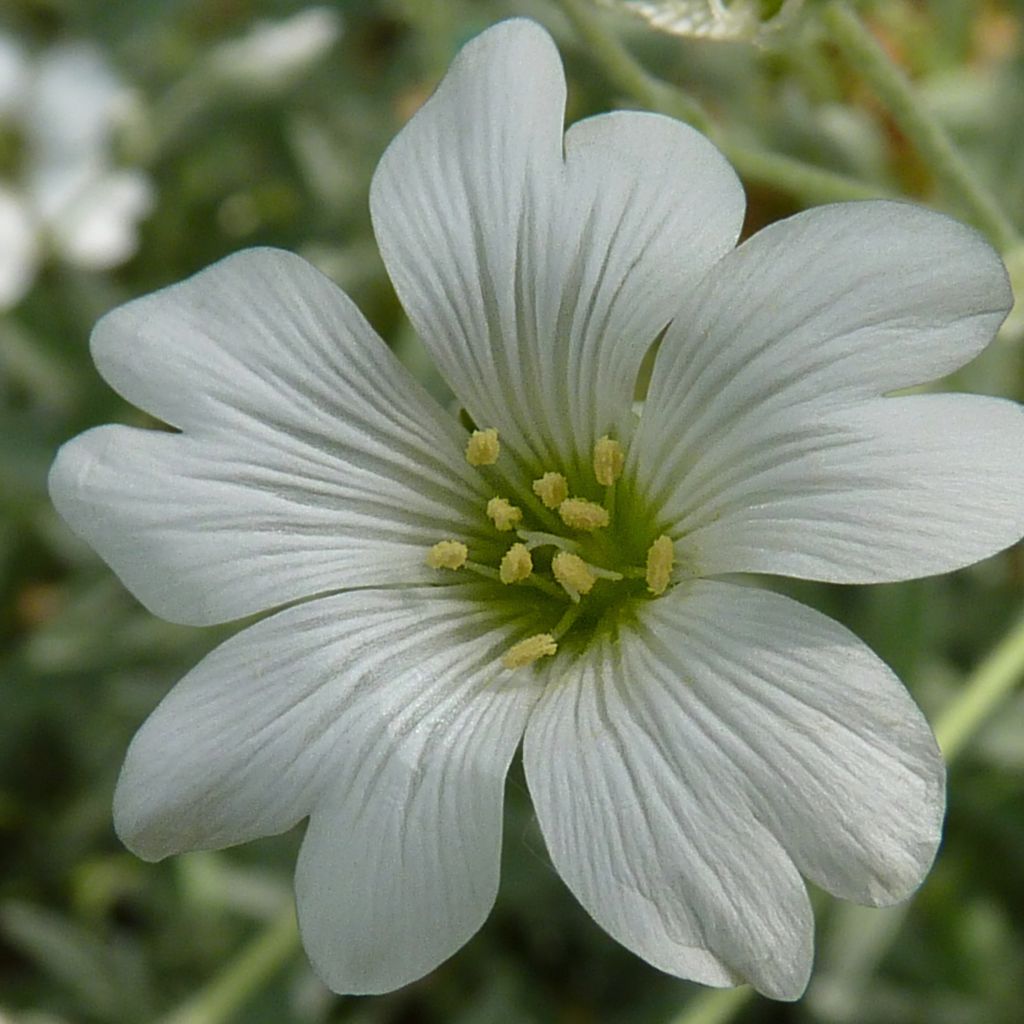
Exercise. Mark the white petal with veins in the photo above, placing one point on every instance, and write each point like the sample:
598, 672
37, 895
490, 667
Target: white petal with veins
309, 459
537, 276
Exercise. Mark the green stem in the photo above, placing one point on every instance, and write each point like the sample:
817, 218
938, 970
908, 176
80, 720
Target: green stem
921, 127
244, 976
986, 688
626, 72
806, 182
715, 1007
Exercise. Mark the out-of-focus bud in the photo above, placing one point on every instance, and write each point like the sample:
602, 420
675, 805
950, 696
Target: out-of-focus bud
749, 21
64, 193
272, 55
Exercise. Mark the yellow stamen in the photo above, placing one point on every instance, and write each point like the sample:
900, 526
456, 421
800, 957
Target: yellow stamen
504, 514
660, 559
581, 514
483, 447
609, 458
516, 564
447, 554
526, 652
573, 574
552, 489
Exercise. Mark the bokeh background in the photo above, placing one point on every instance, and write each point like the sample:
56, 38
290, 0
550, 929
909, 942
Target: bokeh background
142, 139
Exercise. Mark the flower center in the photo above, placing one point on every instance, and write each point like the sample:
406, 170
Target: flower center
580, 548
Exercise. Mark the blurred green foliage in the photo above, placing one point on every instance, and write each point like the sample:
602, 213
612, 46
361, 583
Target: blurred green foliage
88, 933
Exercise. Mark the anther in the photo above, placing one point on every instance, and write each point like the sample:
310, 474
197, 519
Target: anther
609, 458
504, 514
483, 447
552, 489
447, 554
660, 559
526, 652
516, 564
573, 574
581, 514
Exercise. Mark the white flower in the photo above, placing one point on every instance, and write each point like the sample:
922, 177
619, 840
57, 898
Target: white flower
713, 19
692, 745
274, 53
59, 187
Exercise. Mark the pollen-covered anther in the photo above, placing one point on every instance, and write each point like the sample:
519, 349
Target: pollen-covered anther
447, 554
580, 514
516, 564
483, 447
552, 489
573, 574
504, 514
660, 559
526, 652
609, 458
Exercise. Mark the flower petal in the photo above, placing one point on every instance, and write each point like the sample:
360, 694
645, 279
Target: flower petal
848, 300
763, 439
888, 489
385, 714
835, 756
539, 281
663, 849
310, 460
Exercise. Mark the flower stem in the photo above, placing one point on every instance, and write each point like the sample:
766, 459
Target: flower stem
626, 72
864, 53
717, 1006
984, 690
806, 182
244, 976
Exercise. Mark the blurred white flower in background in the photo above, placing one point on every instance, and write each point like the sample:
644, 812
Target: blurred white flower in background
61, 191
738, 20
273, 54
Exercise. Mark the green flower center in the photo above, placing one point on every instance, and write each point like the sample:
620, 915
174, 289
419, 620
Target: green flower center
580, 546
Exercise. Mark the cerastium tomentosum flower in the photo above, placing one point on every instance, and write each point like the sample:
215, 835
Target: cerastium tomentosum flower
692, 745
61, 191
